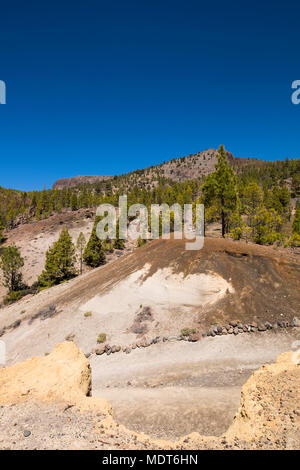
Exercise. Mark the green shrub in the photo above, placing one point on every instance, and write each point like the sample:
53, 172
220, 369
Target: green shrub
13, 296
188, 331
141, 241
236, 233
88, 314
294, 240
101, 338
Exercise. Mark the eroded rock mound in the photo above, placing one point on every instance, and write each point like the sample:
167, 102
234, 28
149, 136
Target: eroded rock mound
62, 375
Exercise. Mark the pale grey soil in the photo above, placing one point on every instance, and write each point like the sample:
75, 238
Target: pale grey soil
171, 389
49, 425
166, 391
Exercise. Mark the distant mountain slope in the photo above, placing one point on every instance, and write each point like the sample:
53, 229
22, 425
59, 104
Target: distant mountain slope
77, 181
179, 169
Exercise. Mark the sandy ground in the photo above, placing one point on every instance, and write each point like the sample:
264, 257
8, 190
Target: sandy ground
172, 389
46, 403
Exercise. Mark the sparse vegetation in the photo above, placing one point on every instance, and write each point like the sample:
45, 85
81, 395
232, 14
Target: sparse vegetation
141, 241
11, 263
88, 314
94, 254
220, 189
101, 338
13, 296
80, 245
232, 195
60, 262
188, 331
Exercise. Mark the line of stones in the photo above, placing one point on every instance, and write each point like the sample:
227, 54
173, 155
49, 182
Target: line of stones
233, 327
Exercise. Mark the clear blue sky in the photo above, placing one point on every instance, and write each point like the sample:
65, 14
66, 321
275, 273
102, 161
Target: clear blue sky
105, 87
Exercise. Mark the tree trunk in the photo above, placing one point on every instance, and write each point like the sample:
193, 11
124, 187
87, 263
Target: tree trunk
223, 223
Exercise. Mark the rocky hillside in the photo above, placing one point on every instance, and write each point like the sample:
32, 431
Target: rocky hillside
78, 181
193, 166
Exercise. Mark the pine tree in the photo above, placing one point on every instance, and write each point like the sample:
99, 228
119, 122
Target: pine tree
11, 262
118, 242
94, 254
2, 227
252, 198
267, 226
74, 202
60, 261
81, 242
220, 189
236, 224
296, 221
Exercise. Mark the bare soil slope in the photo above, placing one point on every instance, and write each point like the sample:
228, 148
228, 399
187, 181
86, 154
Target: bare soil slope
224, 281
34, 239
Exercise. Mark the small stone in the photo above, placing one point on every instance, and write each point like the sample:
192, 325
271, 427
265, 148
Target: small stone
194, 337
100, 351
173, 338
296, 322
26, 433
236, 331
261, 327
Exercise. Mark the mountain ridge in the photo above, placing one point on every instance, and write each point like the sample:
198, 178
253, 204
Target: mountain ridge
177, 169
